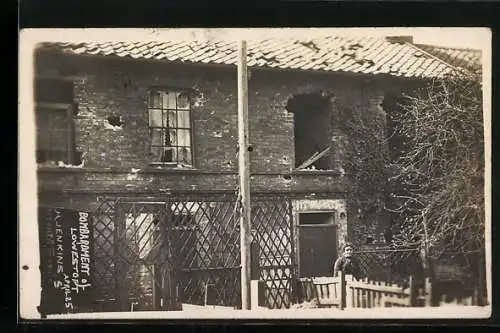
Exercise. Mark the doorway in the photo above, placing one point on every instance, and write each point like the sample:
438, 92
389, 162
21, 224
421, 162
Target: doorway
317, 243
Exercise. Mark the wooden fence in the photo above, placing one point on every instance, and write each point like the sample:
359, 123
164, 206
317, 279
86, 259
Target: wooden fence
344, 292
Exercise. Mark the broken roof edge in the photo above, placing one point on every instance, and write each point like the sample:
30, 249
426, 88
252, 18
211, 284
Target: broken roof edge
470, 49
254, 68
473, 61
455, 68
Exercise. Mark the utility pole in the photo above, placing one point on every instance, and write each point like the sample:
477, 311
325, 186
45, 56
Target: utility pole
244, 175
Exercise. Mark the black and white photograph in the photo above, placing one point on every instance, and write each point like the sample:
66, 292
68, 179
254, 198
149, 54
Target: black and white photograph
255, 173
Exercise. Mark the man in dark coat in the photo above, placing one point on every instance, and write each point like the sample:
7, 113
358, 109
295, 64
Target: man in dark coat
347, 263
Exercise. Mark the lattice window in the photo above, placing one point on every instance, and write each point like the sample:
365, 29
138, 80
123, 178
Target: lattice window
271, 221
201, 240
170, 127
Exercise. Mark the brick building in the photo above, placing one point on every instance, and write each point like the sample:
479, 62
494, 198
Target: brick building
133, 126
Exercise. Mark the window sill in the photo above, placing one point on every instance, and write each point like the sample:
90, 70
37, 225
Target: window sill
146, 170
169, 165
162, 168
318, 172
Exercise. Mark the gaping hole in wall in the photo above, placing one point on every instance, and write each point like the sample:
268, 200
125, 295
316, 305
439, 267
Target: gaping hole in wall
312, 128
115, 120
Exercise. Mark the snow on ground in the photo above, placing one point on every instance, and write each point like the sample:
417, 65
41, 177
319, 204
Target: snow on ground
447, 312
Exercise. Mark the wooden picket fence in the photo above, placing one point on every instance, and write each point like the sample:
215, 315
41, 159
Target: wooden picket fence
343, 291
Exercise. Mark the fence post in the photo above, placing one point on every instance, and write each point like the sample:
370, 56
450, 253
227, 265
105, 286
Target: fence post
348, 293
342, 290
254, 260
413, 291
482, 282
475, 299
432, 297
120, 268
210, 294
297, 290
257, 294
256, 287
428, 292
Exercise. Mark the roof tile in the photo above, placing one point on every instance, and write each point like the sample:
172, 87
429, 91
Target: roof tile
369, 55
468, 59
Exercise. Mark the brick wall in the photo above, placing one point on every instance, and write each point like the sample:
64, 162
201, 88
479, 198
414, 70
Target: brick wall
116, 158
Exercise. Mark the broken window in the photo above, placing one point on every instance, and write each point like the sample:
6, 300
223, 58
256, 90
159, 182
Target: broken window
312, 131
55, 110
170, 127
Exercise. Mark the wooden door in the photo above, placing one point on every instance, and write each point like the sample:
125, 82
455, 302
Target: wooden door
318, 250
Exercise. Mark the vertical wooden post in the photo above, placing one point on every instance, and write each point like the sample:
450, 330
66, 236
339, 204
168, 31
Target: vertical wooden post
210, 294
428, 292
257, 294
413, 291
482, 283
165, 266
342, 290
120, 264
254, 260
244, 175
157, 270
349, 294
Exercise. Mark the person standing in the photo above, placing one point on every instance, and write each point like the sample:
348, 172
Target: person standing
347, 263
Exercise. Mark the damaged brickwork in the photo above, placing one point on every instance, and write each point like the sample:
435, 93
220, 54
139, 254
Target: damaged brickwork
111, 132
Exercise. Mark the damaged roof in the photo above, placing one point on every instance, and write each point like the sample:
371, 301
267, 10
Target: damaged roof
363, 55
468, 59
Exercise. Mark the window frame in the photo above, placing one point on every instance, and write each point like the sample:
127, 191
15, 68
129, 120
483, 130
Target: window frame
70, 107
331, 212
165, 90
300, 228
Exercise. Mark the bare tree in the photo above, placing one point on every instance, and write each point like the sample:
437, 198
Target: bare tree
438, 170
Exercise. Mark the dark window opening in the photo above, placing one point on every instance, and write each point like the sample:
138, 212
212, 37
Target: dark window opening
50, 155
312, 126
55, 111
53, 90
170, 127
316, 218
